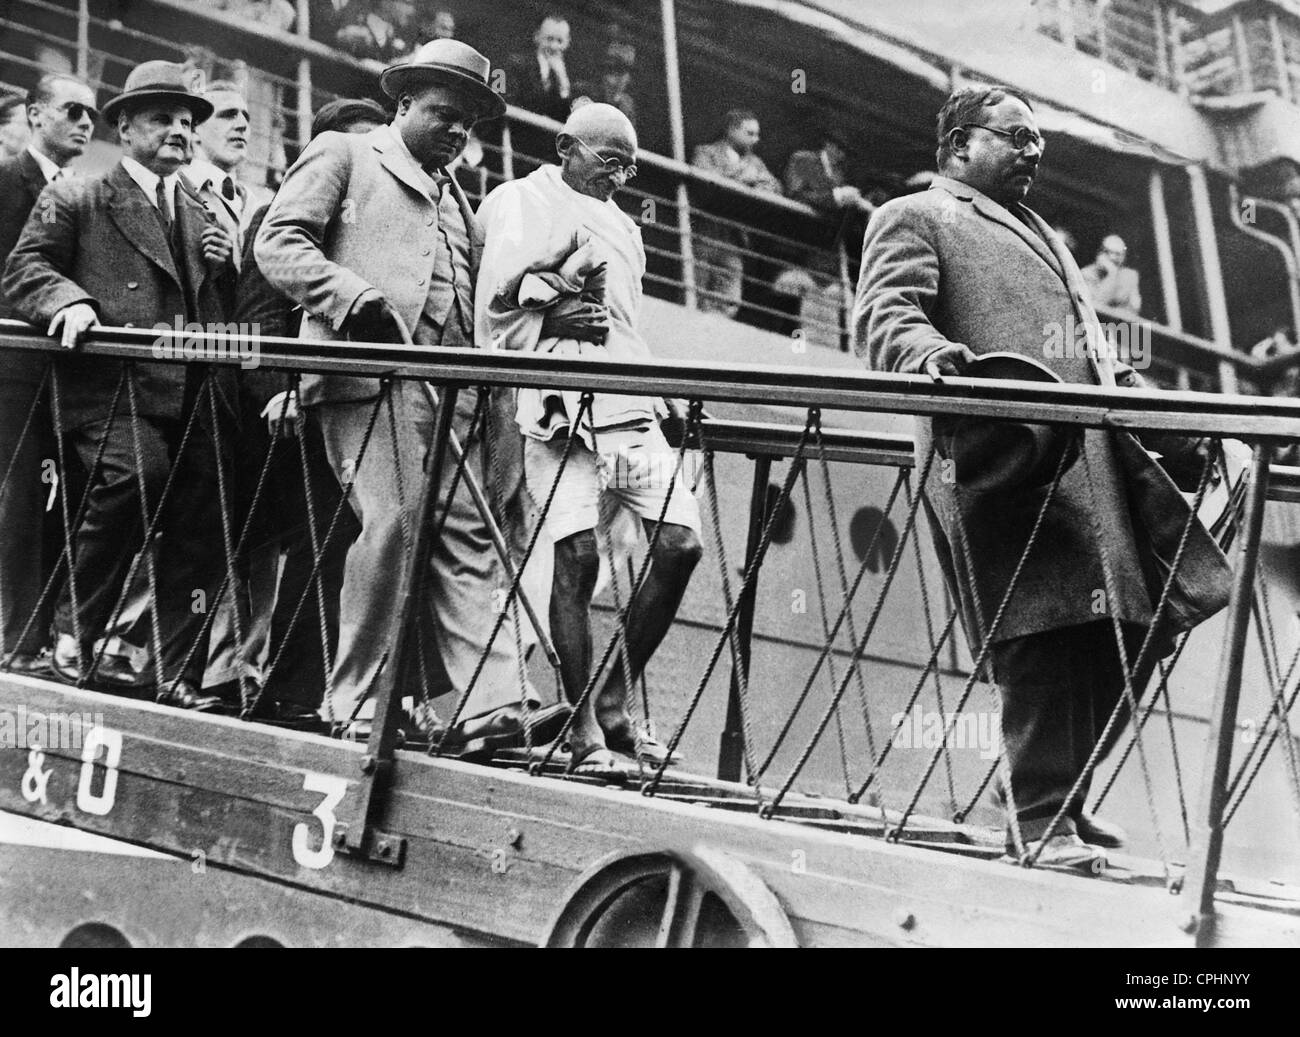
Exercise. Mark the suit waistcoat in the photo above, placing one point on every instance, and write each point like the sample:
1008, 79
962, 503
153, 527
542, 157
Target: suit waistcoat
449, 301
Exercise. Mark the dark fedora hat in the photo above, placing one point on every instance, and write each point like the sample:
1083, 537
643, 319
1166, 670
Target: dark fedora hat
449, 62
990, 455
162, 81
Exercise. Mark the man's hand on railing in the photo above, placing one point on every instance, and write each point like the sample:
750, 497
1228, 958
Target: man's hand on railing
952, 359
578, 319
75, 321
371, 319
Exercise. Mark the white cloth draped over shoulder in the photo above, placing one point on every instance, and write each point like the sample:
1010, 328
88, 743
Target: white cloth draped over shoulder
534, 225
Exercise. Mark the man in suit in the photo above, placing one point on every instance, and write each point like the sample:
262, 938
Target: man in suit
539, 80
220, 147
818, 178
132, 248
368, 233
379, 32
1113, 284
965, 269
719, 263
61, 112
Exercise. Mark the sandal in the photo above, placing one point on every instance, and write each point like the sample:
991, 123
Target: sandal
652, 750
596, 761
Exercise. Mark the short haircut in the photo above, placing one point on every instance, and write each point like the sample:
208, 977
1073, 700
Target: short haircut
43, 91
737, 117
553, 16
964, 106
343, 111
223, 86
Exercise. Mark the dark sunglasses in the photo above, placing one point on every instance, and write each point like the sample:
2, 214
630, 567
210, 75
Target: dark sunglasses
611, 164
1021, 137
74, 111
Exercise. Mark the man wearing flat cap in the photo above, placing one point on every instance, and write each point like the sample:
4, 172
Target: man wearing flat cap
371, 237
950, 276
133, 248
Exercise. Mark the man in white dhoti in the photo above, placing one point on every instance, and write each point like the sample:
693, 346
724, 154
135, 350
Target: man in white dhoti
561, 273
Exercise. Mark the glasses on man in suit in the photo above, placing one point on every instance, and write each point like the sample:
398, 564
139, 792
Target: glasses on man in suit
75, 110
1021, 137
612, 164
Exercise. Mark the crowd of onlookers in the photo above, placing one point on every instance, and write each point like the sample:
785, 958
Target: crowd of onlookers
730, 251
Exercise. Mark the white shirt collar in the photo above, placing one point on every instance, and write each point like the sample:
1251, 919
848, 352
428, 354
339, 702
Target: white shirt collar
148, 182
48, 166
201, 173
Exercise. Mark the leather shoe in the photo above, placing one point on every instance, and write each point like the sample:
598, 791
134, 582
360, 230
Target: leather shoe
113, 672
29, 663
1096, 832
184, 695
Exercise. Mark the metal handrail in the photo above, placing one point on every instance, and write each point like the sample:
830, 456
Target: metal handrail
1216, 414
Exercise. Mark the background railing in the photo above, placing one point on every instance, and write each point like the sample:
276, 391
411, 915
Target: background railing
798, 265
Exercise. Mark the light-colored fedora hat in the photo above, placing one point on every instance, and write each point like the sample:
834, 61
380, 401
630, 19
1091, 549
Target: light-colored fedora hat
450, 62
162, 81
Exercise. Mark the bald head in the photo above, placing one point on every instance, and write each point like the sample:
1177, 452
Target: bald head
602, 122
598, 150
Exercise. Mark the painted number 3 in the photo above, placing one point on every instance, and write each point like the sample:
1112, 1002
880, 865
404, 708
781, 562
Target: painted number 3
333, 788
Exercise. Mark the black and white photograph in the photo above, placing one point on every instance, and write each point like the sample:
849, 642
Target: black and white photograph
733, 474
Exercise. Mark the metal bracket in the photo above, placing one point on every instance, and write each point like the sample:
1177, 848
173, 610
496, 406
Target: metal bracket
378, 848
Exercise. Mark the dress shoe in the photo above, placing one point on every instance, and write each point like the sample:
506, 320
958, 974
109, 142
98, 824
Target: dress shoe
30, 663
113, 672
1096, 832
353, 731
184, 695
1067, 851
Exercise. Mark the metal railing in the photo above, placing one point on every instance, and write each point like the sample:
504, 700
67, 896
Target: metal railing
810, 450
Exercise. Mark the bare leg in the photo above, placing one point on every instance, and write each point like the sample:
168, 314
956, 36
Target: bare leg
577, 564
649, 618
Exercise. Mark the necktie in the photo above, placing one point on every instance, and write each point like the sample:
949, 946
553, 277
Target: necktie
228, 189
160, 197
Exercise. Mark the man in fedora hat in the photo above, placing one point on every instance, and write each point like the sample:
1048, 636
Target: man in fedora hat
370, 236
950, 275
133, 248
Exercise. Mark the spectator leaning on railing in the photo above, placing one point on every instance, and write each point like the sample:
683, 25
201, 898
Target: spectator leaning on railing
133, 248
719, 265
62, 113
381, 31
1113, 285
